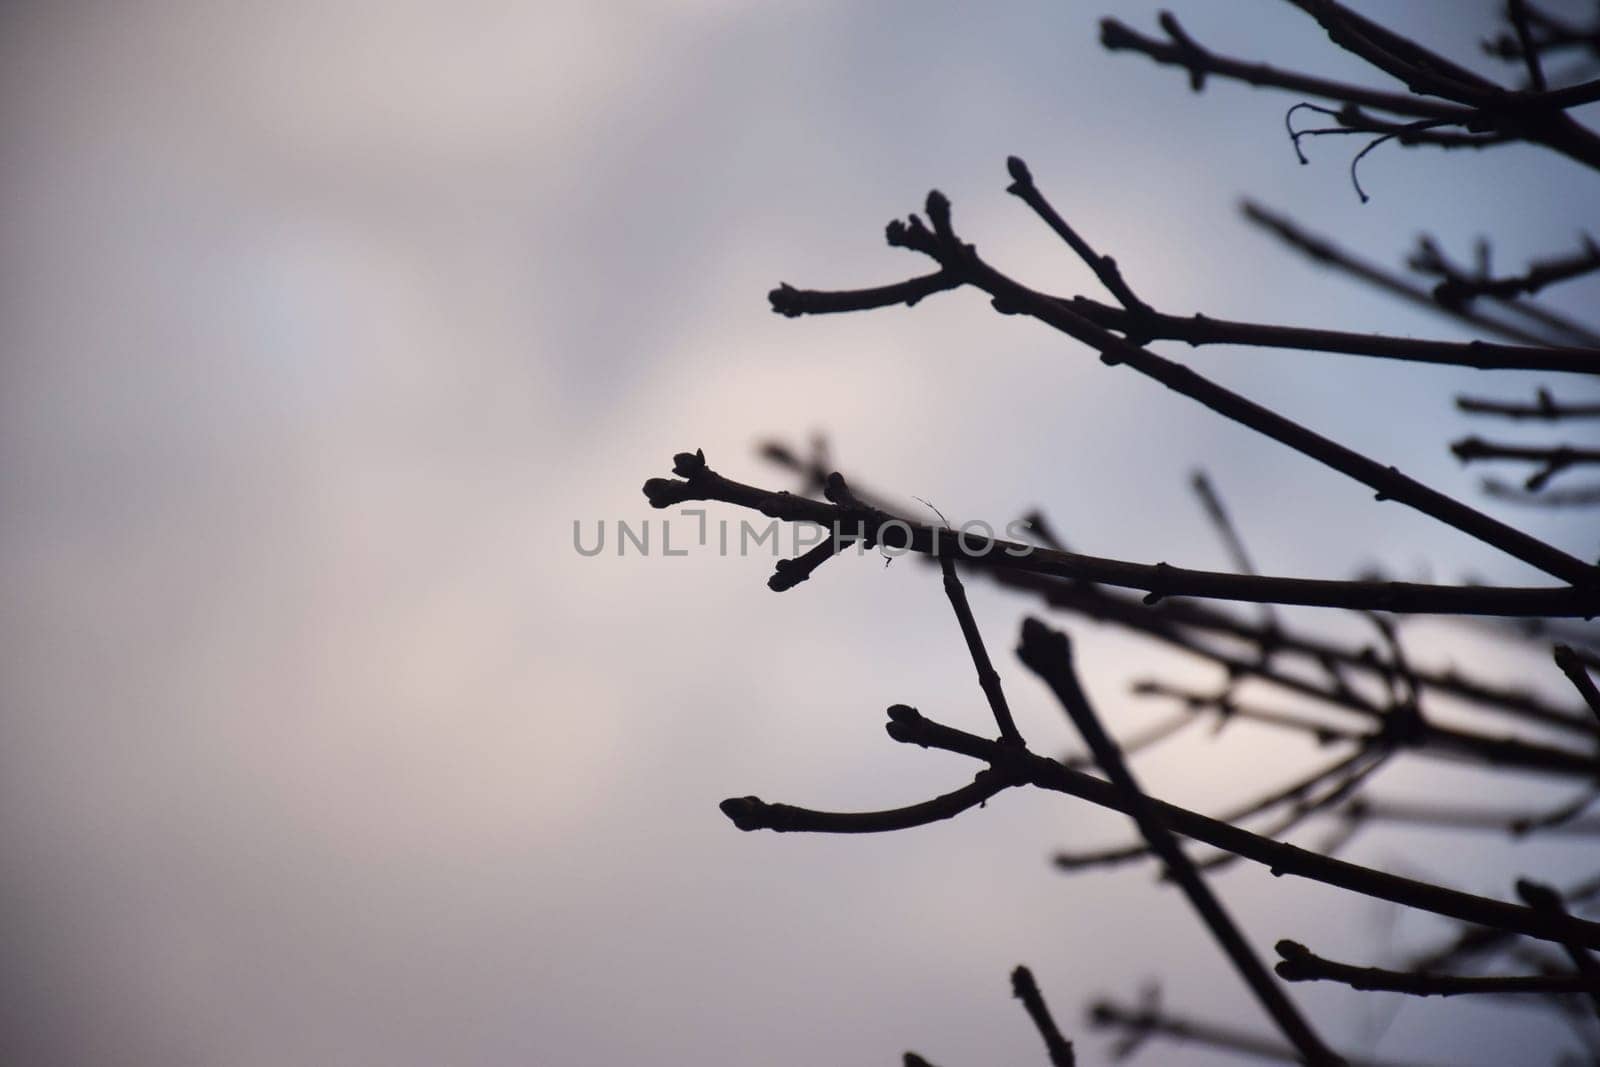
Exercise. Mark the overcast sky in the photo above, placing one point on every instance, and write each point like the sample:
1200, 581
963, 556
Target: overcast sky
323, 324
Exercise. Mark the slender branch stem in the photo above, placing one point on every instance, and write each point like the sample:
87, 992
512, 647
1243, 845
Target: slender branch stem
1013, 297
1202, 63
1573, 667
1546, 901
1552, 460
1517, 10
1298, 788
988, 678
1104, 267
1584, 497
1048, 654
1474, 448
1025, 989
1198, 330
1325, 252
1159, 580
911, 727
1300, 964
753, 813
1170, 620
1495, 820
1137, 1024
1138, 742
1544, 407
1302, 810
1459, 286
1530, 281
1465, 98
1479, 940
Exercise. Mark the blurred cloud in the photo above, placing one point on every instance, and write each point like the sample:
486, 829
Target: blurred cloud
322, 325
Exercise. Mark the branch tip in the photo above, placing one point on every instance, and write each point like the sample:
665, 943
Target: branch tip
745, 812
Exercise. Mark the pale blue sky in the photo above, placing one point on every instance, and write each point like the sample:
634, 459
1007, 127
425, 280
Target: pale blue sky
323, 323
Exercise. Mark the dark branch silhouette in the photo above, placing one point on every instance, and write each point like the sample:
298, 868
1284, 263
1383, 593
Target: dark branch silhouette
1300, 964
1367, 698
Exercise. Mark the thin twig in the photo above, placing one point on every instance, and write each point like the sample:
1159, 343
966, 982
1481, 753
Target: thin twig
1584, 497
753, 813
1011, 297
1223, 524
1517, 10
1025, 989
1198, 330
1562, 820
1301, 786
910, 727
1479, 940
1573, 666
1536, 277
1547, 901
1544, 407
1300, 964
1048, 654
1460, 286
1139, 1024
988, 678
1553, 460
1160, 580
1325, 252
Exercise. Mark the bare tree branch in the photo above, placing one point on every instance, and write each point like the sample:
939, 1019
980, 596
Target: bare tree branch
1300, 964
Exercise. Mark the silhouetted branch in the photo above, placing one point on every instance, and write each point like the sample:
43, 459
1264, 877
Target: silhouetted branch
1534, 116
1293, 791
1197, 330
1172, 622
699, 482
1140, 741
1422, 70
1329, 254
1300, 964
1465, 99
1104, 267
1544, 407
1025, 989
753, 813
1140, 1024
1223, 524
1460, 289
1460, 285
1573, 666
1353, 119
1479, 940
1011, 297
788, 573
1201, 63
1227, 709
1545, 34
909, 726
1562, 820
1586, 497
1517, 12
1400, 724
1048, 654
790, 302
1303, 809
1547, 901
988, 678
1419, 131
1553, 460
1448, 106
